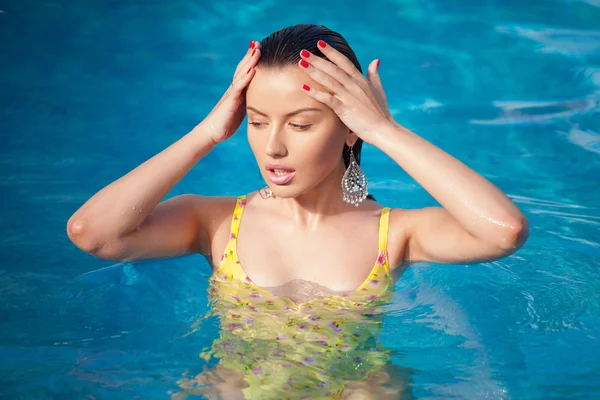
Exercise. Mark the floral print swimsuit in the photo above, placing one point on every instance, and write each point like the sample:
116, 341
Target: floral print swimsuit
289, 350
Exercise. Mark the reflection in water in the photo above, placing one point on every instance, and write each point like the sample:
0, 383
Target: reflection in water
303, 342
261, 349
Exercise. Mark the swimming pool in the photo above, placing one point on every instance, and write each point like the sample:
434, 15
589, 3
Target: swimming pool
92, 89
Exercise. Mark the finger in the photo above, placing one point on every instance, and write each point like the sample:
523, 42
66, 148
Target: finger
246, 63
241, 81
332, 84
343, 63
244, 69
359, 88
375, 82
244, 59
250, 62
326, 98
235, 98
250, 53
334, 71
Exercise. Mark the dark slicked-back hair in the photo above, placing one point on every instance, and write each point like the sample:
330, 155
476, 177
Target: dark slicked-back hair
282, 49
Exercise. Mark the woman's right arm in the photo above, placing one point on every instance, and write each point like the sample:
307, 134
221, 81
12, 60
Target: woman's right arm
124, 221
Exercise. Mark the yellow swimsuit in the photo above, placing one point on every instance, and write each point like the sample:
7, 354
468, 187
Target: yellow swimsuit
288, 350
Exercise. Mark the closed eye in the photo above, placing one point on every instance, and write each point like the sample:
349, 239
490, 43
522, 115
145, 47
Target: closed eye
300, 127
256, 124
295, 126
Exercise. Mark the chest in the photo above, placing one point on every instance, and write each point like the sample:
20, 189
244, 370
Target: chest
336, 257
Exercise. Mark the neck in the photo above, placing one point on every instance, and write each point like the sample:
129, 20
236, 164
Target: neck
320, 202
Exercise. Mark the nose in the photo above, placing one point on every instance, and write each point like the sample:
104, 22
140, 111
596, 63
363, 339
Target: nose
275, 145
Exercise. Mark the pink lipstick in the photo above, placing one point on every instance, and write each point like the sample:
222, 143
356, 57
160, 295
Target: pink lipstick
279, 174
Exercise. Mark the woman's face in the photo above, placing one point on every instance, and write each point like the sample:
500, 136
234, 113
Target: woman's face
297, 141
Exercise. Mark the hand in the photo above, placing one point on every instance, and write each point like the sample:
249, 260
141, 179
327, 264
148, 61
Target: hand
359, 102
226, 117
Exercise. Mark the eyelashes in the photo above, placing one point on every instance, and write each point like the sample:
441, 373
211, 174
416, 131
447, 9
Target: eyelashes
300, 127
295, 126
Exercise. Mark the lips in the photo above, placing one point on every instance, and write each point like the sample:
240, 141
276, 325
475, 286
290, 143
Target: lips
280, 174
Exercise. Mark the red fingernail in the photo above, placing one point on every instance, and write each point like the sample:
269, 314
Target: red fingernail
304, 63
252, 44
306, 87
305, 54
321, 44
378, 62
249, 69
253, 51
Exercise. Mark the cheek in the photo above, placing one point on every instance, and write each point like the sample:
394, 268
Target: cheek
257, 144
323, 151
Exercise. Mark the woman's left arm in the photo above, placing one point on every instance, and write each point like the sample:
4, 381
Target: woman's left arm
477, 222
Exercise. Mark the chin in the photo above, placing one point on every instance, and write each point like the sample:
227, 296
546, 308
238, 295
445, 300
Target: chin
285, 192
292, 190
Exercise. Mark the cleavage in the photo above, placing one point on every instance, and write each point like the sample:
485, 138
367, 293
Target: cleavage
300, 291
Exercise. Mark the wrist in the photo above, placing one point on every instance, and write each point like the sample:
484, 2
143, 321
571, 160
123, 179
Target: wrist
199, 138
386, 132
203, 136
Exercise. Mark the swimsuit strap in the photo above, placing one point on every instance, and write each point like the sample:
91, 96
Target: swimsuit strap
383, 229
236, 218
229, 268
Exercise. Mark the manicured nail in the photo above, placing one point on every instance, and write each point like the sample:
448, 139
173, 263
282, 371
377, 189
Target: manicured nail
306, 87
321, 44
253, 51
304, 64
305, 54
378, 62
249, 69
252, 44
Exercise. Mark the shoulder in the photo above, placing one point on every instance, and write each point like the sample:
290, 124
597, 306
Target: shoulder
402, 225
211, 214
211, 206
408, 219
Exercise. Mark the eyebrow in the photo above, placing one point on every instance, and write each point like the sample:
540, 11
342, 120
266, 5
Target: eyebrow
288, 114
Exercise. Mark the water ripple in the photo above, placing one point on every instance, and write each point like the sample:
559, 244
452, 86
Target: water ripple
585, 218
543, 202
538, 112
569, 42
587, 140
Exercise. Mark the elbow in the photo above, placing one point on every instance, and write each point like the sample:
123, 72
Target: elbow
515, 235
78, 231
81, 235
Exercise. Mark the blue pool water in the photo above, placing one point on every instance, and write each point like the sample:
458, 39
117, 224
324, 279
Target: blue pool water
90, 89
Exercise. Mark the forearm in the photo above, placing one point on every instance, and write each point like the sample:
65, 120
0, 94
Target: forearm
480, 207
122, 206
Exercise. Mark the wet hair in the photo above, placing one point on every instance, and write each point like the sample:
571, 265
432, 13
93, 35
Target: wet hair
282, 49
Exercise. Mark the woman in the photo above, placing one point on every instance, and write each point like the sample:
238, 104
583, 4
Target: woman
309, 246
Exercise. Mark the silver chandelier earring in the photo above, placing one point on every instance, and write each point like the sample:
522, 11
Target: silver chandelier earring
354, 183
